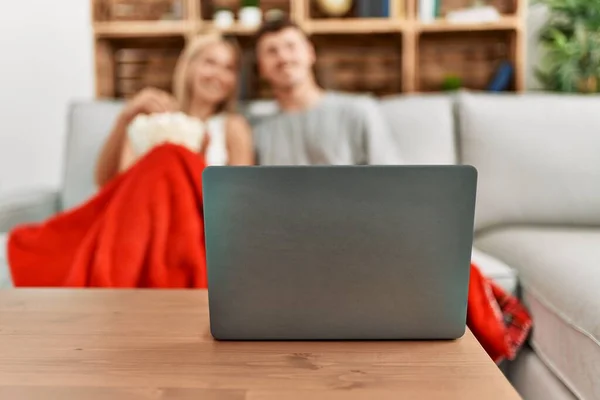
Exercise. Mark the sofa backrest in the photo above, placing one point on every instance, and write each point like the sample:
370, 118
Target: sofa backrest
422, 126
89, 124
538, 157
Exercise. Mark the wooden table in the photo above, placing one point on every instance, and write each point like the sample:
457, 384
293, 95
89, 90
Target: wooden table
104, 344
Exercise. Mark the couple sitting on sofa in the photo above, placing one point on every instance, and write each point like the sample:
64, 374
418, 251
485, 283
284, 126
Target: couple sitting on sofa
142, 215
313, 127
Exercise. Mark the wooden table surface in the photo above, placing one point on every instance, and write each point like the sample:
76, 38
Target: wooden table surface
104, 344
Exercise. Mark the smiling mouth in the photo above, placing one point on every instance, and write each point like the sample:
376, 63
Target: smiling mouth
286, 70
212, 86
286, 67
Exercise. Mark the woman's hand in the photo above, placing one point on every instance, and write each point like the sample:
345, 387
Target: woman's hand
149, 101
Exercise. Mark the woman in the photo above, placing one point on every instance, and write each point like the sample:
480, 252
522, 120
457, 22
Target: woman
145, 226
204, 87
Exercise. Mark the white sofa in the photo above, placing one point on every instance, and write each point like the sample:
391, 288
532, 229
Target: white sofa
538, 210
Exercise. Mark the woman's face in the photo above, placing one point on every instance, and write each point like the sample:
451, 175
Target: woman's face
212, 74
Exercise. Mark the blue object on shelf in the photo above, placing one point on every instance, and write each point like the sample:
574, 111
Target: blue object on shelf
502, 77
385, 8
373, 8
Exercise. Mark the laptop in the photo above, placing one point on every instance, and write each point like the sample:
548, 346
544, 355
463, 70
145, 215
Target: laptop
338, 252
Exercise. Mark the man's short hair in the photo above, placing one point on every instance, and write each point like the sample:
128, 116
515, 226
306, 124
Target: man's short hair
276, 25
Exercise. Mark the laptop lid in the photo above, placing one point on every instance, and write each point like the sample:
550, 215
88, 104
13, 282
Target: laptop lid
338, 252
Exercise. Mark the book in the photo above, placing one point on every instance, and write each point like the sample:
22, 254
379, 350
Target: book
400, 8
502, 78
362, 8
373, 8
438, 9
385, 8
427, 10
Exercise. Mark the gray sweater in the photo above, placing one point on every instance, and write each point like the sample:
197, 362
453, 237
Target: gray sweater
342, 129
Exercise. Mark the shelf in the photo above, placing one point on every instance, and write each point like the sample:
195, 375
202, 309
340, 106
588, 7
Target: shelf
127, 29
353, 25
504, 23
331, 26
235, 29
395, 54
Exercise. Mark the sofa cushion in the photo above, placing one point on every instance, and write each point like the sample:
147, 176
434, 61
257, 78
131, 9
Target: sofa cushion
534, 381
89, 125
537, 155
495, 269
423, 127
559, 271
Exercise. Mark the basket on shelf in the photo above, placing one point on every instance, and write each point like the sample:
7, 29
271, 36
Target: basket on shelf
137, 69
138, 10
369, 63
474, 60
360, 70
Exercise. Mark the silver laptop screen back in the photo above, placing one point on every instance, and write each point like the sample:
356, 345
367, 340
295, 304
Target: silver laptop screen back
300, 253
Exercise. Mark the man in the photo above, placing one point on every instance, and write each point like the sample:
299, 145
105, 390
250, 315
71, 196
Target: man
314, 126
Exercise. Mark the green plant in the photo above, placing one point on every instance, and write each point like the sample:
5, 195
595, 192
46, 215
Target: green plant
571, 45
250, 3
451, 82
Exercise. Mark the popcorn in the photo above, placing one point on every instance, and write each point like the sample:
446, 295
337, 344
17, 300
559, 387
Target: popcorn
147, 131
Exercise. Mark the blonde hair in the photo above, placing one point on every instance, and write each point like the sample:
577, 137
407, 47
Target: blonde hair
182, 89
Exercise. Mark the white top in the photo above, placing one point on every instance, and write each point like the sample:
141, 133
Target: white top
216, 154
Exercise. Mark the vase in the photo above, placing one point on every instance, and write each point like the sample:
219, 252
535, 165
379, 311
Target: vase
335, 8
250, 16
223, 19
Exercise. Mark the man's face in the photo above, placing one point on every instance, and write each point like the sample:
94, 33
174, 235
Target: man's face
285, 58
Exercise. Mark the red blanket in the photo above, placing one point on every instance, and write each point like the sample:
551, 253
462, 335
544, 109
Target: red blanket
145, 230
496, 318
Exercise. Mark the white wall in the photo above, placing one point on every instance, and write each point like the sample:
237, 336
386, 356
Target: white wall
46, 60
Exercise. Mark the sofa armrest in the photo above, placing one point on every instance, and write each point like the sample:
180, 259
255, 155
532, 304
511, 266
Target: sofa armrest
26, 207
